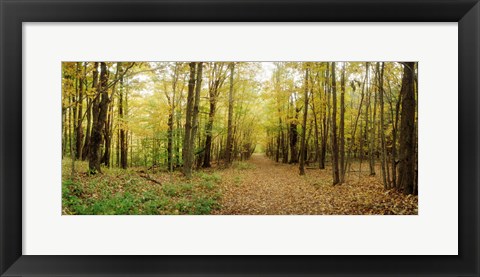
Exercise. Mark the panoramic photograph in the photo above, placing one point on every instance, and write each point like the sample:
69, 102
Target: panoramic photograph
239, 138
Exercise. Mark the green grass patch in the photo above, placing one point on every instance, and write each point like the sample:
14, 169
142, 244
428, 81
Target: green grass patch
210, 177
125, 192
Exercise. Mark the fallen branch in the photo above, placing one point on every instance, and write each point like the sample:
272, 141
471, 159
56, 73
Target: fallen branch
149, 178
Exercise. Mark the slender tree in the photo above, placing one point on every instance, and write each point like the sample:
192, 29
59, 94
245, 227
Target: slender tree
217, 78
336, 176
196, 110
122, 130
304, 126
79, 129
381, 128
229, 146
342, 126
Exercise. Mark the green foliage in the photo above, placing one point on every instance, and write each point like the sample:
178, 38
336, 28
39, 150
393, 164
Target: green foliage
197, 206
173, 190
71, 196
213, 177
118, 204
124, 192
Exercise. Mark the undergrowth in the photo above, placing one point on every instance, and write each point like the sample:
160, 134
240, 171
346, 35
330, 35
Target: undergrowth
126, 192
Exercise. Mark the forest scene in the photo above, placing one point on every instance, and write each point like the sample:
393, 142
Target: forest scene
239, 138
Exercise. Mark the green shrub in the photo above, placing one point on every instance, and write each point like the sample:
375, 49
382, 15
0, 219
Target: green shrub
214, 177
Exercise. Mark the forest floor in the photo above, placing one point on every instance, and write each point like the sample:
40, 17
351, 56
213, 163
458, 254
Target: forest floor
258, 186
266, 187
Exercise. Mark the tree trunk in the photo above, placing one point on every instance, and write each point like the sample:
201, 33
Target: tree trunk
342, 127
407, 131
171, 120
208, 138
217, 78
187, 151
196, 110
314, 111
381, 128
371, 145
99, 110
394, 142
336, 177
90, 103
122, 133
228, 150
79, 131
293, 139
323, 152
304, 127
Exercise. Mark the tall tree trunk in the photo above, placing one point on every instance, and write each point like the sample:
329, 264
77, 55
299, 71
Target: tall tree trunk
171, 120
315, 121
187, 148
371, 145
336, 177
367, 118
79, 132
228, 150
208, 137
407, 131
170, 139
122, 131
75, 109
90, 103
108, 131
394, 142
196, 110
107, 137
294, 138
99, 110
342, 126
64, 131
304, 127
386, 182
323, 152
217, 79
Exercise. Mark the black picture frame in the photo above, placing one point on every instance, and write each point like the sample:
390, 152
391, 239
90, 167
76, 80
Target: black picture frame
14, 12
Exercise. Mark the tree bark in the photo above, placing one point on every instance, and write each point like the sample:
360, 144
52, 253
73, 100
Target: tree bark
371, 145
217, 79
407, 131
385, 180
196, 110
304, 127
228, 150
187, 151
122, 133
99, 110
336, 177
79, 132
294, 138
342, 126
323, 151
90, 103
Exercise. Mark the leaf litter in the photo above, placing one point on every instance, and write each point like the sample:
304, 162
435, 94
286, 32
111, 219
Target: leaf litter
270, 188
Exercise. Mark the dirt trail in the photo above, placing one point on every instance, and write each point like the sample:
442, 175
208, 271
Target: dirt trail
262, 186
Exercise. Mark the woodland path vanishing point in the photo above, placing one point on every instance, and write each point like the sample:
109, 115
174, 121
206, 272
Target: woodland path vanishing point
267, 187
